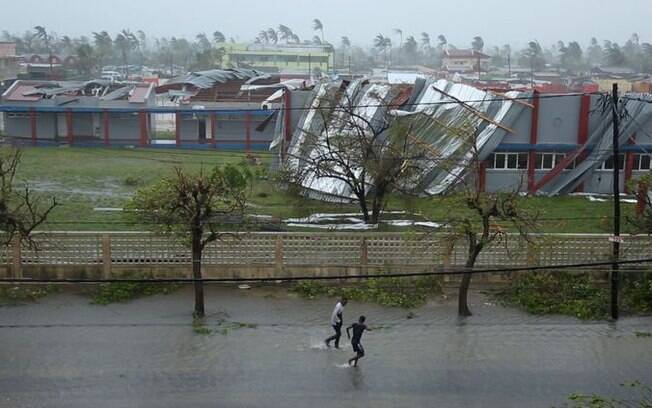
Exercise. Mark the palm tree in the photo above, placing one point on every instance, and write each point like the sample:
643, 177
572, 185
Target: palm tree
411, 48
202, 42
85, 59
318, 26
399, 32
126, 41
42, 34
104, 46
218, 37
316, 40
285, 33
477, 44
272, 35
425, 40
443, 42
263, 37
346, 42
382, 43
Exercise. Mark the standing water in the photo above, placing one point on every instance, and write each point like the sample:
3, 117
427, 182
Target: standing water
266, 349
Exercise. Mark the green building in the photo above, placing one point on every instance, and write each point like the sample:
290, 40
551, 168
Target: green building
284, 58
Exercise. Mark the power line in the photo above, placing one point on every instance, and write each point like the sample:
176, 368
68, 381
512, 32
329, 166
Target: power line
442, 272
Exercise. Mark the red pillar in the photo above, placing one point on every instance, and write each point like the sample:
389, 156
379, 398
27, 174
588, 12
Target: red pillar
105, 120
583, 130
69, 124
482, 177
287, 103
247, 131
144, 134
629, 163
214, 130
177, 129
32, 122
641, 198
534, 137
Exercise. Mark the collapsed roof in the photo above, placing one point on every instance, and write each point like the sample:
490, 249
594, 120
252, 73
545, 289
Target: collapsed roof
219, 85
34, 91
433, 109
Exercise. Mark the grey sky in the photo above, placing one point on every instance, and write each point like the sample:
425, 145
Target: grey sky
498, 21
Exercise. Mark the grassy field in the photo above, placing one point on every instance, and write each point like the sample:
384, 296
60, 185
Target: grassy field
83, 179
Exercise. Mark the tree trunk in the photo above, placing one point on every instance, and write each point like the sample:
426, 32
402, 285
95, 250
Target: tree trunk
196, 274
462, 299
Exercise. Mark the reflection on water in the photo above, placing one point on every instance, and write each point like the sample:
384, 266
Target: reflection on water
64, 352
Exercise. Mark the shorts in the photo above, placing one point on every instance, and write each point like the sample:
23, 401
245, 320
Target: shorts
357, 347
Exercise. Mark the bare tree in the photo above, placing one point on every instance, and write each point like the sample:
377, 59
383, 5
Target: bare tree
479, 219
192, 207
20, 211
372, 157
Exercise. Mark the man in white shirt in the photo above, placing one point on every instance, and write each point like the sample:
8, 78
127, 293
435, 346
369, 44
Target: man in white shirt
336, 322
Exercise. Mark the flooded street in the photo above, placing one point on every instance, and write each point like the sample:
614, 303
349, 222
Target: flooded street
265, 351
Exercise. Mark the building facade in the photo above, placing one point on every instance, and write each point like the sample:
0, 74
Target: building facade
457, 60
287, 58
93, 112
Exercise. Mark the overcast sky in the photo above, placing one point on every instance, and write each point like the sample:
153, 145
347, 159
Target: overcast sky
498, 21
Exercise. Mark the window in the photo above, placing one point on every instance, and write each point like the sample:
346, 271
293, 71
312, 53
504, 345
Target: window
641, 162
609, 163
18, 116
548, 161
507, 161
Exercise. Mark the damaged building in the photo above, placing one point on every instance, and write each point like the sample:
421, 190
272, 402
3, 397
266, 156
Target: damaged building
221, 113
93, 112
546, 144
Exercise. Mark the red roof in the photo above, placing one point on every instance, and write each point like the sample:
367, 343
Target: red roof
17, 94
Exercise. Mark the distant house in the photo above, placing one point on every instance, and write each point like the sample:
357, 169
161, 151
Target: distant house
9, 62
464, 60
78, 112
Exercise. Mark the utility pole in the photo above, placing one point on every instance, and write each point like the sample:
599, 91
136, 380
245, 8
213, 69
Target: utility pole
509, 63
616, 175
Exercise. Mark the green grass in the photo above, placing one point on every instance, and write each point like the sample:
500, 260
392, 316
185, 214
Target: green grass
392, 292
85, 178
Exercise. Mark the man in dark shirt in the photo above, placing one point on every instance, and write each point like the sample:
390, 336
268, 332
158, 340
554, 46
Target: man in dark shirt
358, 329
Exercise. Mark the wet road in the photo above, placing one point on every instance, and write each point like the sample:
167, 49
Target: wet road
63, 352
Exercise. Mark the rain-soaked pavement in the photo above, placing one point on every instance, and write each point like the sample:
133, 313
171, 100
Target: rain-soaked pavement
64, 352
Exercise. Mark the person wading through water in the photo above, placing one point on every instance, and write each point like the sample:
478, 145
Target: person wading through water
336, 322
358, 329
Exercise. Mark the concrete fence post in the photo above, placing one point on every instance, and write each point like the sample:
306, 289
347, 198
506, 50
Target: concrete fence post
278, 254
364, 254
106, 256
17, 258
532, 254
449, 246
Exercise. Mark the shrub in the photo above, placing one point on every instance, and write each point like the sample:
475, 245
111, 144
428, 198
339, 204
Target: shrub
120, 292
392, 292
558, 293
13, 295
